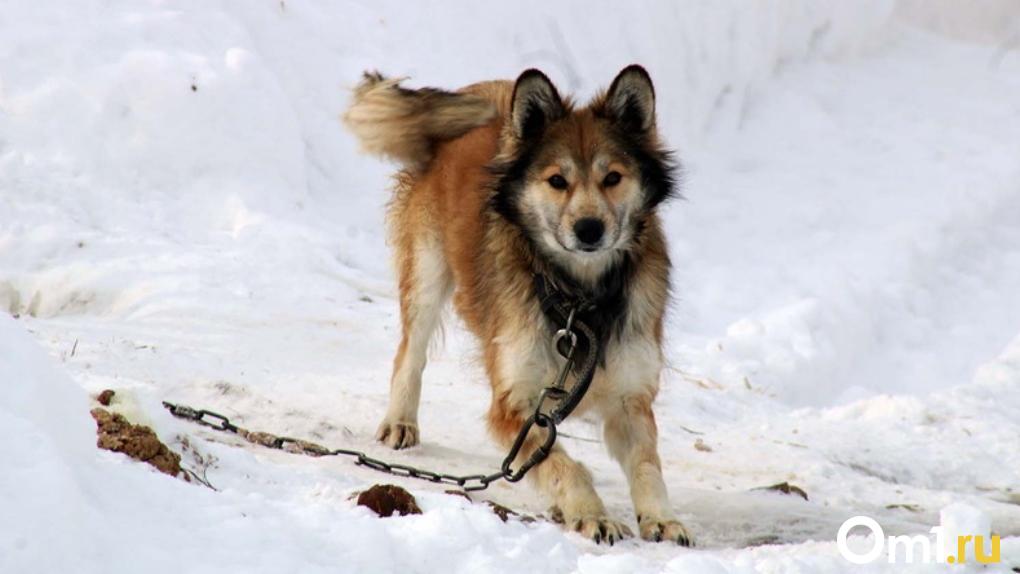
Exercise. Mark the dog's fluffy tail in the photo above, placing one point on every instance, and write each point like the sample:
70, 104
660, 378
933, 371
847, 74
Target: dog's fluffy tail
405, 124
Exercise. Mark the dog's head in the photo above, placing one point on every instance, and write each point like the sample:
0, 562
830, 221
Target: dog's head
582, 182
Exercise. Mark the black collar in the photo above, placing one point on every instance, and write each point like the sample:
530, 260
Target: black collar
551, 298
601, 311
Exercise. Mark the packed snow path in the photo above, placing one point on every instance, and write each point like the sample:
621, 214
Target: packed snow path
182, 217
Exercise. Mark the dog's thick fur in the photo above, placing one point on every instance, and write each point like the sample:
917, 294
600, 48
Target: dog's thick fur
504, 180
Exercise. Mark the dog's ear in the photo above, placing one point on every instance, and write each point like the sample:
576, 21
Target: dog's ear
630, 100
535, 104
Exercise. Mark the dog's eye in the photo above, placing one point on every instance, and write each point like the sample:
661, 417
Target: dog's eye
612, 178
558, 182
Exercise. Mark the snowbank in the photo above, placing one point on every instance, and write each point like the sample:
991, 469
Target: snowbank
75, 508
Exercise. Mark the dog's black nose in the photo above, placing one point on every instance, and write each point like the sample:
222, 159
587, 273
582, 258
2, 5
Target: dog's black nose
589, 231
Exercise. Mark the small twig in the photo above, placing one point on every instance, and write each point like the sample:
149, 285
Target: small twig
201, 462
200, 479
704, 383
585, 439
74, 348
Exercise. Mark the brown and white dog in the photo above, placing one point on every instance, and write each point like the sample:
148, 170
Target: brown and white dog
505, 180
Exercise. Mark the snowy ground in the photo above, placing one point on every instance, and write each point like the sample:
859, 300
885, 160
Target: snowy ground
183, 218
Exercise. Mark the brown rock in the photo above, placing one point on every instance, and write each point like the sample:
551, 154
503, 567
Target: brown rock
385, 499
137, 441
105, 397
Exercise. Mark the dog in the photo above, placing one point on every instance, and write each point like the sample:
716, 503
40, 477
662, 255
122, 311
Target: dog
504, 181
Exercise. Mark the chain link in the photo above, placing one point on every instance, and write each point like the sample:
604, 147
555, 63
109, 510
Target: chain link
472, 482
220, 422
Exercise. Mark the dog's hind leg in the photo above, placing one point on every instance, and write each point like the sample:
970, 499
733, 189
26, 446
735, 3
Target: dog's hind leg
425, 286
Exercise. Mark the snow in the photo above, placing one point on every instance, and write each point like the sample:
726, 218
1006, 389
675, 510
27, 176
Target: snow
182, 217
961, 520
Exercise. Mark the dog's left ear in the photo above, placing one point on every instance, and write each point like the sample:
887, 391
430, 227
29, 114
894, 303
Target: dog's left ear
534, 105
630, 100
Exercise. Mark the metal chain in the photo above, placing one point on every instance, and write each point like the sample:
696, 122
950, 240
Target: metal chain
471, 482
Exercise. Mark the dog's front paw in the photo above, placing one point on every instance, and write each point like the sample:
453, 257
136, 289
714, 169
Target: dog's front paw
599, 528
397, 434
656, 530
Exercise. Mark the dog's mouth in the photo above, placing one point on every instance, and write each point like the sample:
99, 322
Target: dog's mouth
563, 245
586, 252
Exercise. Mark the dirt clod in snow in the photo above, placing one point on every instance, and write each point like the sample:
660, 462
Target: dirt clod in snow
105, 397
904, 506
700, 445
139, 442
786, 488
385, 499
501, 511
460, 493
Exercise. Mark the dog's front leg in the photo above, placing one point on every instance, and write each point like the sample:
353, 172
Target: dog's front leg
519, 369
633, 368
631, 436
